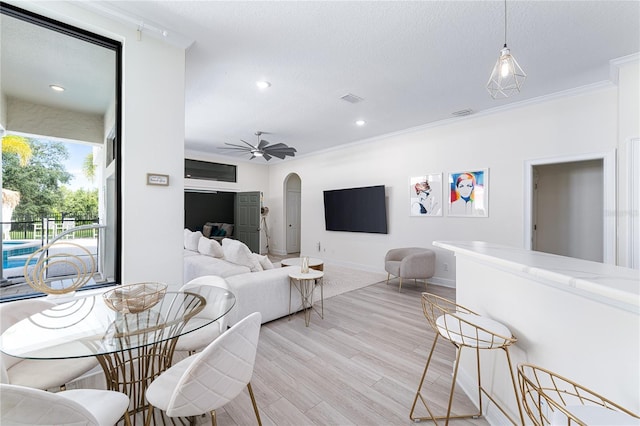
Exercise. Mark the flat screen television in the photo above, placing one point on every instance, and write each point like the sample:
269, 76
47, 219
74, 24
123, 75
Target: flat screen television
356, 210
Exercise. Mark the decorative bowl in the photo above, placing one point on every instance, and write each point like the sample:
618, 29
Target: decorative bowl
134, 298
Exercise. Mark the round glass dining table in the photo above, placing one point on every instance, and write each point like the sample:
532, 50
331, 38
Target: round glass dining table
132, 349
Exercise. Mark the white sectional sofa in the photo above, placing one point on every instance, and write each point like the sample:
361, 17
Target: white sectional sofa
256, 283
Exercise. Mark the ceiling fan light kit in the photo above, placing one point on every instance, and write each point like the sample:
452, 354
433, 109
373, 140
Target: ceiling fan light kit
263, 149
507, 76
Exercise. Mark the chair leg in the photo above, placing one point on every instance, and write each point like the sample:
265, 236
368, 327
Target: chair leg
433, 417
418, 394
388, 276
400, 286
253, 401
147, 421
515, 387
213, 418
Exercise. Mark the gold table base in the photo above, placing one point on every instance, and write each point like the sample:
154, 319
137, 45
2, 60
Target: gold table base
306, 287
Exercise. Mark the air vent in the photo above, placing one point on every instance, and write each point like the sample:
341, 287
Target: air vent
351, 98
462, 112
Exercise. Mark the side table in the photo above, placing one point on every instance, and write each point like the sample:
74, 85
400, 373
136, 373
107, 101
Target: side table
306, 284
314, 263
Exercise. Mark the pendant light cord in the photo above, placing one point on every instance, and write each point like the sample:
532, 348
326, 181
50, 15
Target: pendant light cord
505, 23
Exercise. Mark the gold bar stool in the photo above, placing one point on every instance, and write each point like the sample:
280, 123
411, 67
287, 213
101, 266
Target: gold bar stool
550, 399
463, 328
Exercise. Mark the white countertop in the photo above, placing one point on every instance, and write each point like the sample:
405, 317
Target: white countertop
608, 283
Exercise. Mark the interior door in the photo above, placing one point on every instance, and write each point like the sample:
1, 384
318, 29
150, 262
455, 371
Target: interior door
293, 222
247, 220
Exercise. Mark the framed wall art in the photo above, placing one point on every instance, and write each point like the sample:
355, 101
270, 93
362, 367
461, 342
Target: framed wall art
469, 193
425, 195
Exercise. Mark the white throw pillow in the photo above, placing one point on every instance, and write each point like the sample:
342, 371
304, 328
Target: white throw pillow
238, 253
264, 262
210, 247
191, 240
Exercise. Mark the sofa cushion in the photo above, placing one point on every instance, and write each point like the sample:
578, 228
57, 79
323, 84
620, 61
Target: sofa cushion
198, 265
264, 261
210, 247
238, 253
191, 239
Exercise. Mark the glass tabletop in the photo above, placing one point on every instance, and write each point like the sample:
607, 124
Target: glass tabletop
87, 327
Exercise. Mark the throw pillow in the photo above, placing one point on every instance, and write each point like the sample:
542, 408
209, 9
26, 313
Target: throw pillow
227, 228
191, 240
210, 247
264, 262
206, 230
238, 253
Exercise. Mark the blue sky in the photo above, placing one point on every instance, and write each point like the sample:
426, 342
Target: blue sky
77, 154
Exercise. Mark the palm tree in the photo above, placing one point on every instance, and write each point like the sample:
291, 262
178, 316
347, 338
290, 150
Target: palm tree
88, 167
12, 144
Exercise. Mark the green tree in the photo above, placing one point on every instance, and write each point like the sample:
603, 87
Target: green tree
88, 167
39, 182
81, 203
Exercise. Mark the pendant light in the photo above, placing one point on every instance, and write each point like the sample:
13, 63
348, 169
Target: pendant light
507, 76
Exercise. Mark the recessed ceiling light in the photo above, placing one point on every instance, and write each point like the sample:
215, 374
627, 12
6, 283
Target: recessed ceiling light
360, 123
263, 84
56, 88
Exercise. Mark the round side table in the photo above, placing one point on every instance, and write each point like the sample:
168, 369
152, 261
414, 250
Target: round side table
314, 263
306, 284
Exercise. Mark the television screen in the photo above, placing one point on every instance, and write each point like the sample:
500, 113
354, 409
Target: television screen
356, 210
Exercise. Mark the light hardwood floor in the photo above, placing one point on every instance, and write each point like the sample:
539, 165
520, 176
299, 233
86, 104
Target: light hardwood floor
359, 366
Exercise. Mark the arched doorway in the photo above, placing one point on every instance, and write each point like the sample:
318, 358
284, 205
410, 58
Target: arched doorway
292, 197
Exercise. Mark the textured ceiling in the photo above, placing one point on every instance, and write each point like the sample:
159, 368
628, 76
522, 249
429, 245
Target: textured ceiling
413, 63
34, 58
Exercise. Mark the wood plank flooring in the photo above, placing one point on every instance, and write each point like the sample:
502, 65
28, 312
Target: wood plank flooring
359, 366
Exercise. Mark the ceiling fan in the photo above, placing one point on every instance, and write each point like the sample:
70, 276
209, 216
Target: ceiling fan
263, 149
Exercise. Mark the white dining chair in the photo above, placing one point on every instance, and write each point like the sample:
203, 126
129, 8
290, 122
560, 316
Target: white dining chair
20, 405
209, 379
37, 373
200, 338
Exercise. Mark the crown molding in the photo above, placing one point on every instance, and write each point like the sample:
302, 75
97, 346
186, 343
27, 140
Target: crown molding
617, 63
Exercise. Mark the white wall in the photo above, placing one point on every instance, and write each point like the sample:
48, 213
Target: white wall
27, 117
568, 209
629, 129
503, 141
152, 141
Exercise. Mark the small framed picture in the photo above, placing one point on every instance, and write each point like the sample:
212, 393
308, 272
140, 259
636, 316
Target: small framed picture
469, 193
425, 195
156, 179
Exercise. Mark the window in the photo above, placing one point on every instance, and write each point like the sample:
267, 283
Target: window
195, 169
43, 118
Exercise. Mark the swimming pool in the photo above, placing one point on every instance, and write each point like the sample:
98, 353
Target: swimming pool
21, 248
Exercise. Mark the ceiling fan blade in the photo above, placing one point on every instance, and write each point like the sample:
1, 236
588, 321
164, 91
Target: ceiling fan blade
233, 146
263, 144
266, 156
234, 149
278, 154
277, 146
286, 151
238, 146
252, 147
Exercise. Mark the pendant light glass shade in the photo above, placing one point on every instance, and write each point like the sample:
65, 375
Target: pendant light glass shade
507, 76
